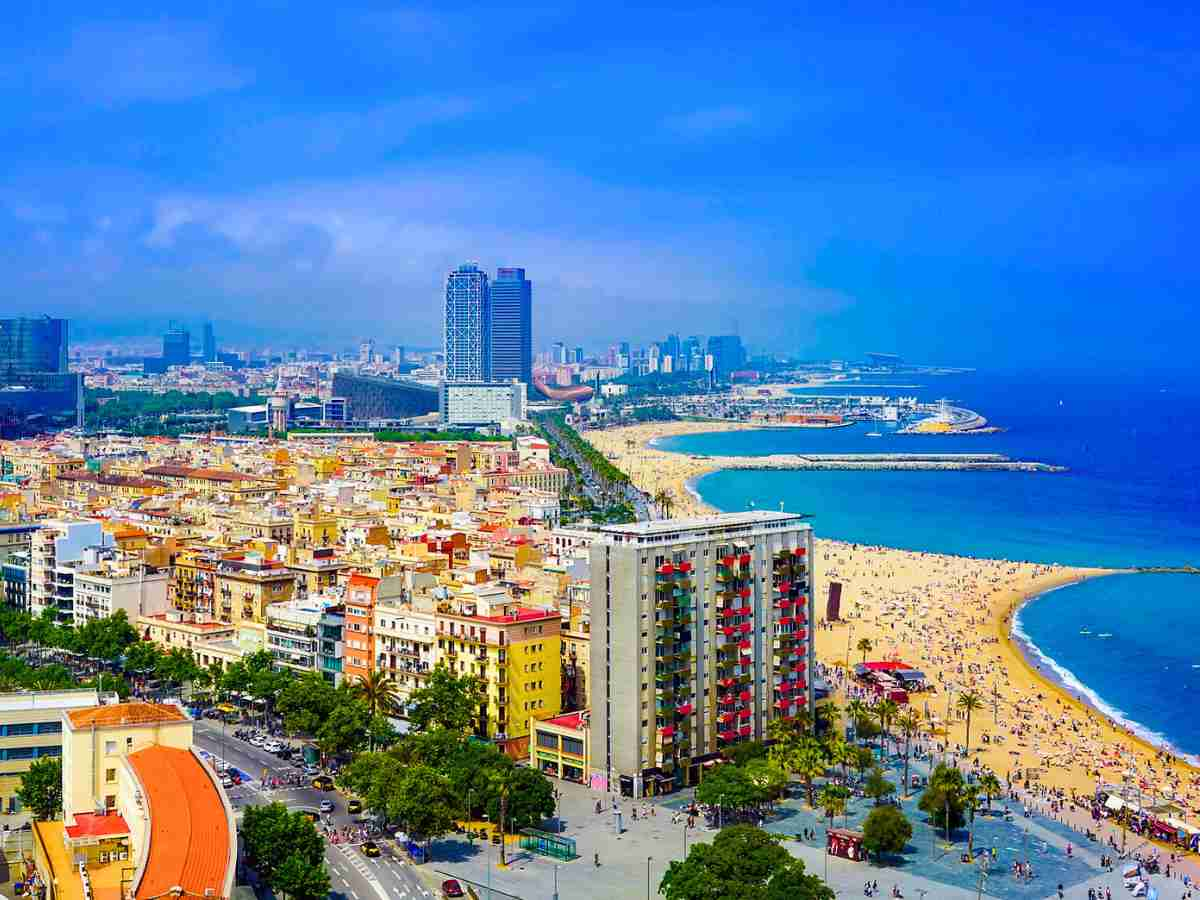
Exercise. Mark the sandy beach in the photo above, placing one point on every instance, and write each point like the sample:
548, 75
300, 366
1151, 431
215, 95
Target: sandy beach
950, 617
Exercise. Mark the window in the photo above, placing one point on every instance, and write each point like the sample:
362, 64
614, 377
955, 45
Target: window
110, 747
128, 745
110, 776
19, 729
549, 741
573, 746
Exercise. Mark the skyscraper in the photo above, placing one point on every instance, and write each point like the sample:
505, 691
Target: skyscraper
727, 353
512, 326
29, 346
467, 342
209, 347
699, 639
177, 346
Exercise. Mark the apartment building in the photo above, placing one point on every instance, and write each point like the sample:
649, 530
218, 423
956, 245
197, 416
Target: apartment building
299, 636
31, 729
55, 544
105, 580
699, 637
513, 650
245, 586
189, 631
405, 643
363, 594
191, 585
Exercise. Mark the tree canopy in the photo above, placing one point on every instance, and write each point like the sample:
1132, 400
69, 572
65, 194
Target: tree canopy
445, 701
742, 863
886, 831
944, 798
283, 846
41, 788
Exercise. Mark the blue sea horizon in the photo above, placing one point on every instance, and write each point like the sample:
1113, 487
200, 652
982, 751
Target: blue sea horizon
1130, 498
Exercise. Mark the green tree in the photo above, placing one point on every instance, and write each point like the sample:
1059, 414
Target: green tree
885, 710
865, 645
942, 800
864, 760
727, 787
272, 835
378, 691
530, 798
420, 799
41, 788
908, 723
970, 795
885, 831
969, 702
445, 701
740, 863
859, 714
344, 729
877, 787
810, 764
306, 702
768, 778
989, 786
833, 799
142, 657
298, 879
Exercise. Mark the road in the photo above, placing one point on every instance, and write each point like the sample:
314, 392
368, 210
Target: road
626, 493
352, 876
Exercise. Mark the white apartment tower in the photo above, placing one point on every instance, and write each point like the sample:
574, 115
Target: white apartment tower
700, 637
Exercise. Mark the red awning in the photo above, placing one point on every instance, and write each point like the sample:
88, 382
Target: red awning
684, 710
783, 587
744, 593
727, 561
799, 551
744, 714
685, 567
744, 695
667, 731
745, 730
745, 559
743, 645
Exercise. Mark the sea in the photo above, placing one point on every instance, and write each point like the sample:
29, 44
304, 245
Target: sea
1130, 498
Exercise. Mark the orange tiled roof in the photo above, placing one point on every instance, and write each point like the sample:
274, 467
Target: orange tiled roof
125, 714
189, 831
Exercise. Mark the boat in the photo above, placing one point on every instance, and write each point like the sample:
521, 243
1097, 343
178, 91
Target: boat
874, 434
1085, 630
1104, 634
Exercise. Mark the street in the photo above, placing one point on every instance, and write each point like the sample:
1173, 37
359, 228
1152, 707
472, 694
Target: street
591, 486
351, 874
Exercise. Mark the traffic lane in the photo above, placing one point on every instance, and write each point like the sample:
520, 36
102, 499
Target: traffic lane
242, 753
386, 876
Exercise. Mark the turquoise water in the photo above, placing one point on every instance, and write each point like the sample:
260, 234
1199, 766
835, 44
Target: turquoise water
1131, 498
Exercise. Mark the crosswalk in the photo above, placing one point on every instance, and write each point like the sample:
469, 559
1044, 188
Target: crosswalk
369, 870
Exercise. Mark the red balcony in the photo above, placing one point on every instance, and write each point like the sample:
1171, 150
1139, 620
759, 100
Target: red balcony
666, 569
744, 714
685, 710
744, 695
745, 627
783, 587
727, 562
799, 551
727, 735
744, 593
667, 731
685, 567
726, 700
743, 645
744, 611
746, 730
726, 682
781, 704
744, 559
725, 717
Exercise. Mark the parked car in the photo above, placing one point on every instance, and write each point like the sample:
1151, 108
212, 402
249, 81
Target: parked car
323, 783
354, 806
326, 806
370, 848
451, 889
311, 771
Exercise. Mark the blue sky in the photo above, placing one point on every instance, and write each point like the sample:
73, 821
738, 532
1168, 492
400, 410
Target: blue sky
966, 184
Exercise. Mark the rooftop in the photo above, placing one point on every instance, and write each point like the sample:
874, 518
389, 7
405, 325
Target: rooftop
573, 720
523, 614
189, 828
30, 700
90, 825
134, 713
700, 523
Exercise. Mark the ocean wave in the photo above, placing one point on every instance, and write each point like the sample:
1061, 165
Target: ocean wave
1071, 683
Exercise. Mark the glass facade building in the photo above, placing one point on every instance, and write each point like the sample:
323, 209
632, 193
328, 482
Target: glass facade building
468, 325
29, 346
512, 326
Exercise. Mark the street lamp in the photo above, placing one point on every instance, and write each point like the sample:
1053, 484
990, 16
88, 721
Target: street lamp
648, 859
556, 881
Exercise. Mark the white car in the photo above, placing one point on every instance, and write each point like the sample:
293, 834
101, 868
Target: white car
326, 806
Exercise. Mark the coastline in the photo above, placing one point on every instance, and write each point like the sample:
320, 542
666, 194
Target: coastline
952, 617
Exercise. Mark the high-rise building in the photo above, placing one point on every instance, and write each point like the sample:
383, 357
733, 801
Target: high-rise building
560, 353
31, 346
177, 346
699, 639
512, 326
209, 345
467, 343
728, 354
577, 355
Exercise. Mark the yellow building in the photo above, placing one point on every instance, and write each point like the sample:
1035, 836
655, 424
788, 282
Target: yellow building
515, 651
31, 729
143, 816
315, 529
244, 588
561, 747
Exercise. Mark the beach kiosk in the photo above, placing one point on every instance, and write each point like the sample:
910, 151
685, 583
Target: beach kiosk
845, 843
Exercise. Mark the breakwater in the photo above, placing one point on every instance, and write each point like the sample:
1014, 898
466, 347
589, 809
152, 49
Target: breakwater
935, 462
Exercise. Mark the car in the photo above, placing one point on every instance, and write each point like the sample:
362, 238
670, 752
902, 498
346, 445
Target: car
326, 806
354, 806
451, 888
256, 740
323, 783
310, 814
226, 782
370, 848
311, 771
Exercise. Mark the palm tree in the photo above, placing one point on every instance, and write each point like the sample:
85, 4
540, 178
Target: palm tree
809, 764
845, 755
826, 718
865, 646
969, 701
378, 691
885, 711
858, 712
970, 796
664, 502
989, 786
833, 800
908, 721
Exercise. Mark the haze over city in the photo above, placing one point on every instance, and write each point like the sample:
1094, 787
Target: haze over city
953, 183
